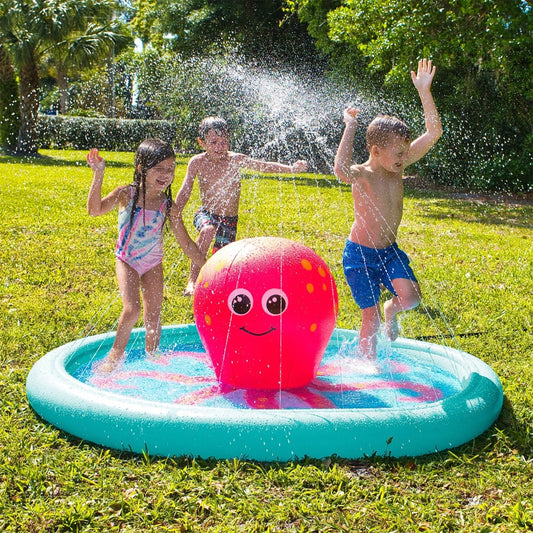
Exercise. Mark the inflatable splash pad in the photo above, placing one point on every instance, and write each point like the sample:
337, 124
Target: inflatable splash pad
418, 398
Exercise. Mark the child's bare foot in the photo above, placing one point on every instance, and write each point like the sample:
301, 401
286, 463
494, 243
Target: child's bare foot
109, 364
391, 322
363, 355
366, 348
154, 356
391, 328
189, 290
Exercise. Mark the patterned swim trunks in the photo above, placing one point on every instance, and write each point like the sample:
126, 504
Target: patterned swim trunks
226, 227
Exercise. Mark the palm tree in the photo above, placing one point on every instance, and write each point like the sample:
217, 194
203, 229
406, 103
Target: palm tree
33, 29
97, 43
9, 102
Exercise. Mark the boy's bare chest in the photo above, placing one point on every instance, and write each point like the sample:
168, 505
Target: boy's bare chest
388, 189
379, 198
225, 178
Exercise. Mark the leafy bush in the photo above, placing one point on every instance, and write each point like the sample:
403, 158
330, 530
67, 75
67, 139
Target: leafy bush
472, 157
83, 133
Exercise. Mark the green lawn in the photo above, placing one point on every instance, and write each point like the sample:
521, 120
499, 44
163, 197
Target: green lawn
474, 261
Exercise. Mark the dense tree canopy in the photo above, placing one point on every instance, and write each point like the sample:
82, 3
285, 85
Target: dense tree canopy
483, 48
196, 26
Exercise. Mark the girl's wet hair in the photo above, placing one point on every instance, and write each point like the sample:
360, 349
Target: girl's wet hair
150, 153
384, 128
217, 124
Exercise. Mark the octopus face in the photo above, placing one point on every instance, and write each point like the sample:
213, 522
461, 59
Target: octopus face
265, 309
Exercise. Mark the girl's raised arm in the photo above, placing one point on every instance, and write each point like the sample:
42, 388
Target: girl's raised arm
96, 205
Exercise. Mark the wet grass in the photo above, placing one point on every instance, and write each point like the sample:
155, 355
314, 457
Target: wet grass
474, 260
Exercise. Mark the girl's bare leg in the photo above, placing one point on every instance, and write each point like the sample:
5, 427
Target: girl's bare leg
128, 284
152, 294
408, 296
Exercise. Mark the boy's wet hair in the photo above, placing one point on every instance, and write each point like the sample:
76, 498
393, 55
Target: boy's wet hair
217, 124
150, 153
384, 128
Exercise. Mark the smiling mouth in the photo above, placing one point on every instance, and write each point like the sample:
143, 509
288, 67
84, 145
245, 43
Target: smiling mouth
258, 334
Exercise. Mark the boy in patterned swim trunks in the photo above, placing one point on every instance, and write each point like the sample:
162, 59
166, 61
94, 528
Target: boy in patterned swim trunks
219, 178
371, 256
226, 227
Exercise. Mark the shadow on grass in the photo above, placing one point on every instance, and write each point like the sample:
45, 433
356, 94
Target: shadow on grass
319, 180
517, 217
518, 433
496, 209
466, 207
47, 161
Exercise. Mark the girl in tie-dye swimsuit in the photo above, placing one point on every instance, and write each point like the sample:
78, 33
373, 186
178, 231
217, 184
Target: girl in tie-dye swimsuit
140, 238
144, 207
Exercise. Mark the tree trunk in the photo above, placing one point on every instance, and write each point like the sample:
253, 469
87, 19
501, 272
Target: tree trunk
112, 106
29, 107
9, 102
62, 83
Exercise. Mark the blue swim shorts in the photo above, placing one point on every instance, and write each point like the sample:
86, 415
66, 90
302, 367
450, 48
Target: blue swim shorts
368, 268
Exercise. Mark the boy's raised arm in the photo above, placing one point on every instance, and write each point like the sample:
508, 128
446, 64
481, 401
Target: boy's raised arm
422, 81
273, 167
343, 158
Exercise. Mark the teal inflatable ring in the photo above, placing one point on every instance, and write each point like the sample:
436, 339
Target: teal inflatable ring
420, 419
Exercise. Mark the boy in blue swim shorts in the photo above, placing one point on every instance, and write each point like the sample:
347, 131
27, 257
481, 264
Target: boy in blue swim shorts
218, 171
371, 256
367, 269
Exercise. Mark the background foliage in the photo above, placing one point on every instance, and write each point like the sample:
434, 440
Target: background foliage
161, 60
106, 133
483, 50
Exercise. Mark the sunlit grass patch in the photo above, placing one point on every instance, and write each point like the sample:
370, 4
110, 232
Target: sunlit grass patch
474, 262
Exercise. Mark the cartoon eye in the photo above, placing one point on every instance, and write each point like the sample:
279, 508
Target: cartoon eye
240, 301
274, 302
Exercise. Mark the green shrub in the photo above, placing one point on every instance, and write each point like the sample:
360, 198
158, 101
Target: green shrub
471, 158
83, 133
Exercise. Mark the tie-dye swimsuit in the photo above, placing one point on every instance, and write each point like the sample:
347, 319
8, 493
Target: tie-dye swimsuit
140, 246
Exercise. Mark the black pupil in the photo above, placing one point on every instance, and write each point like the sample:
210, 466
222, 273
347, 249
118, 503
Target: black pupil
241, 304
276, 304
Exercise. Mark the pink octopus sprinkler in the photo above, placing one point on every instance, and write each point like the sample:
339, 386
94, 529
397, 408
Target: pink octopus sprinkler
265, 309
